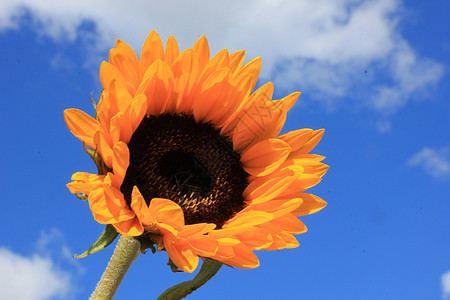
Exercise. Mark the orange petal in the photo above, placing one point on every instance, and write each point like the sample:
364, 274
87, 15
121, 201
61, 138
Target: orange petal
172, 50
151, 51
85, 182
264, 119
81, 125
265, 156
130, 227
214, 96
262, 95
255, 238
205, 247
180, 254
277, 207
311, 204
167, 211
157, 86
127, 62
243, 257
252, 68
313, 140
288, 223
140, 207
136, 112
109, 72
107, 210
186, 71
312, 166
104, 149
197, 229
201, 49
219, 61
266, 188
248, 219
236, 60
121, 159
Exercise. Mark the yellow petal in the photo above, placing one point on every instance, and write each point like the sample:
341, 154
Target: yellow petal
81, 125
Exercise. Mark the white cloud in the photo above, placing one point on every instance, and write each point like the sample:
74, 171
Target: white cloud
434, 161
31, 278
445, 280
47, 273
333, 50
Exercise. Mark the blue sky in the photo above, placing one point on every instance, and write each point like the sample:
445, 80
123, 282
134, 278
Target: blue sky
374, 74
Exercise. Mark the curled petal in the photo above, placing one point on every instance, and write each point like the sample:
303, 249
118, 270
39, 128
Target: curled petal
84, 183
140, 208
166, 211
180, 254
130, 227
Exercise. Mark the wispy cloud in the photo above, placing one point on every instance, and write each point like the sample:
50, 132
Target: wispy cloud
333, 50
40, 275
31, 278
434, 161
445, 281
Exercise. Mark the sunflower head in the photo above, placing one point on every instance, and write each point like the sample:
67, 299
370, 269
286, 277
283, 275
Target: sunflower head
190, 156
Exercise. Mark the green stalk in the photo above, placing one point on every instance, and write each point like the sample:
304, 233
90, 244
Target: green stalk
126, 252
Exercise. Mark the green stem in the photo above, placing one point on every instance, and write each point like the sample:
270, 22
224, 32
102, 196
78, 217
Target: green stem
127, 250
209, 269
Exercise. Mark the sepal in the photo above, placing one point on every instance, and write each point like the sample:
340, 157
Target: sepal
108, 236
209, 268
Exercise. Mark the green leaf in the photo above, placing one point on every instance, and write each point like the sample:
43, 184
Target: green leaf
108, 236
209, 268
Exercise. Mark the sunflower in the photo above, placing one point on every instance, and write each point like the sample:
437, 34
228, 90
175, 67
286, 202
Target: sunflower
192, 159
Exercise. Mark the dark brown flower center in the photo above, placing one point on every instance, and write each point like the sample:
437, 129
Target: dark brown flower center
174, 157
